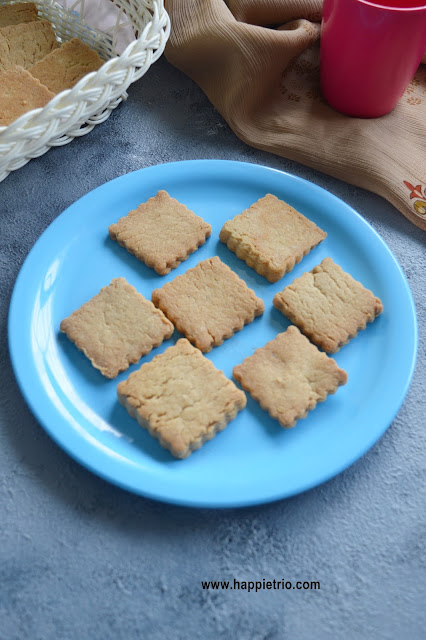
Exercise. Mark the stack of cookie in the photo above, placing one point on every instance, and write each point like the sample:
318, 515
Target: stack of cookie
34, 66
180, 397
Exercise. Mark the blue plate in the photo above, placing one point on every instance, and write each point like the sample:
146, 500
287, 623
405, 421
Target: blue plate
254, 460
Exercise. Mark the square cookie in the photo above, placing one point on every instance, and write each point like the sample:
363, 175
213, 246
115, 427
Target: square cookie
64, 67
271, 237
116, 328
181, 398
11, 14
25, 44
208, 303
328, 305
161, 232
289, 376
20, 92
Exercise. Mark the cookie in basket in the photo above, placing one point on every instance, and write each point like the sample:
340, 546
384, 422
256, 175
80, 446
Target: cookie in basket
25, 44
116, 328
271, 237
208, 303
289, 376
18, 13
129, 49
20, 92
328, 305
64, 67
161, 232
181, 398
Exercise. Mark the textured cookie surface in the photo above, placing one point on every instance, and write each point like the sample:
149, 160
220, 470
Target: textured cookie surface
116, 327
161, 232
181, 398
11, 14
64, 67
271, 237
19, 93
25, 44
289, 376
328, 305
208, 303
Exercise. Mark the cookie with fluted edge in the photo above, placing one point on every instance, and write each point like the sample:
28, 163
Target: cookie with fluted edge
11, 14
208, 303
328, 305
181, 398
289, 376
20, 92
161, 232
25, 44
64, 67
271, 237
116, 327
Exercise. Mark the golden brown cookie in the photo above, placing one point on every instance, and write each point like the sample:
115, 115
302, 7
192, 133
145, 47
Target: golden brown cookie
208, 303
289, 376
116, 328
25, 44
161, 232
271, 237
11, 14
181, 398
64, 67
328, 305
19, 93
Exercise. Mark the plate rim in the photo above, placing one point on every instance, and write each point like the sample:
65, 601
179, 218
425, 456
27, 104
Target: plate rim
221, 502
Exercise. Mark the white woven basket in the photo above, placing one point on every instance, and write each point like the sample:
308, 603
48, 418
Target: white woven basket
76, 111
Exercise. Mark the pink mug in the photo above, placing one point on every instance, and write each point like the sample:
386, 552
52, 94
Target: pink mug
370, 53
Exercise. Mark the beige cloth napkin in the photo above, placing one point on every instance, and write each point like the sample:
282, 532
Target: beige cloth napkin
258, 63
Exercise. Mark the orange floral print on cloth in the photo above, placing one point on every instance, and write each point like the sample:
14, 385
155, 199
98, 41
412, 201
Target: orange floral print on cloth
258, 63
418, 192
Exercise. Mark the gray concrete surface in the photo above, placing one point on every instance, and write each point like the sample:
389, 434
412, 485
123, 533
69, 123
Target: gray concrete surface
82, 559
